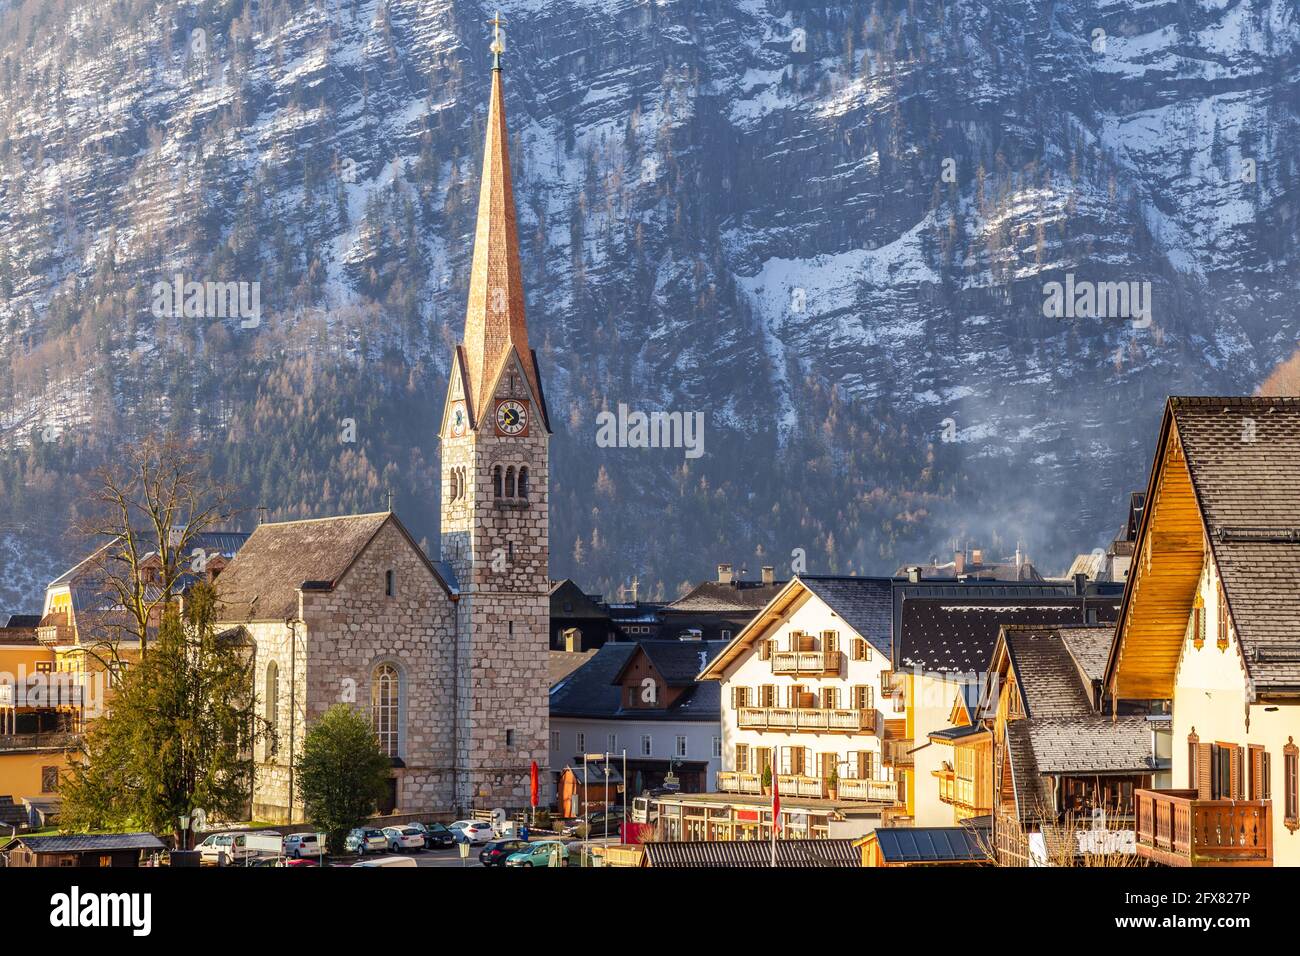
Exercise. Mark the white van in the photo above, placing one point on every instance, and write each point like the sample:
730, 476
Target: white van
233, 847
388, 861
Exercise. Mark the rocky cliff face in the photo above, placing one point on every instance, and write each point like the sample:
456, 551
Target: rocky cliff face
831, 228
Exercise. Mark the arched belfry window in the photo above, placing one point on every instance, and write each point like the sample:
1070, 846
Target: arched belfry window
523, 483
386, 707
510, 482
496, 482
272, 707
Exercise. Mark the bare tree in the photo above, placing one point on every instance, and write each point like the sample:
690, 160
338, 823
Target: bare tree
149, 511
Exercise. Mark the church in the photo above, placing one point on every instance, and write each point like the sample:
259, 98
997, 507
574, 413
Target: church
448, 658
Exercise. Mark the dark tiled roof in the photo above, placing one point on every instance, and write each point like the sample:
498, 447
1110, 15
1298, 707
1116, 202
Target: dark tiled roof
713, 597
82, 843
590, 690
753, 854
1090, 647
679, 661
278, 558
1032, 797
560, 664
1046, 674
957, 733
865, 604
1094, 744
958, 633
24, 621
1243, 455
933, 844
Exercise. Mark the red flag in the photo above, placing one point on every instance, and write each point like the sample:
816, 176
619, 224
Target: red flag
776, 806
532, 774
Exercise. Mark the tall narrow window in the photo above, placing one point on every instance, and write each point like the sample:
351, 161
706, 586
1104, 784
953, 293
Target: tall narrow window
510, 482
385, 707
523, 484
496, 482
390, 583
272, 708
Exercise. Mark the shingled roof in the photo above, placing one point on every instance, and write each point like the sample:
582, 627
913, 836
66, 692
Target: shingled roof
1243, 456
865, 604
714, 597
262, 582
1091, 745
88, 842
1047, 674
591, 690
747, 854
955, 634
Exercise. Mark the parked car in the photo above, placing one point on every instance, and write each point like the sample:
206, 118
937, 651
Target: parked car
304, 845
496, 852
436, 835
233, 845
472, 831
542, 853
599, 823
388, 861
366, 840
404, 838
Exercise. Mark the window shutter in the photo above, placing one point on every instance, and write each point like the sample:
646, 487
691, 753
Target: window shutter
1193, 761
1256, 772
1203, 758
1234, 777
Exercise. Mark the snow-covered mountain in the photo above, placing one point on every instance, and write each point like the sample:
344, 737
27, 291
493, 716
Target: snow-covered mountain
833, 228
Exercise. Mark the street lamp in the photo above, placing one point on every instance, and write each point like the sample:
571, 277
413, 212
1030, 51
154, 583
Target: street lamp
185, 825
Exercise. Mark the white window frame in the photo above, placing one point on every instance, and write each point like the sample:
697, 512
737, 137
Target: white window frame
647, 745
680, 746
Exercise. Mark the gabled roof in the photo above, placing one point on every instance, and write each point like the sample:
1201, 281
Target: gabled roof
956, 634
560, 664
752, 854
1046, 673
591, 690
862, 603
1032, 796
865, 604
1089, 646
280, 557
676, 661
714, 597
933, 844
1236, 461
88, 842
1095, 744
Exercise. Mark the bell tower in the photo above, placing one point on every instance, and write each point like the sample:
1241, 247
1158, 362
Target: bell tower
495, 475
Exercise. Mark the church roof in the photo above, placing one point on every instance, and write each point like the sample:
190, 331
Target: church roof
495, 321
279, 558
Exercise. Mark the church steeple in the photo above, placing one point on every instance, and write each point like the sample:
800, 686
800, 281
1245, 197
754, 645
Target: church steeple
494, 317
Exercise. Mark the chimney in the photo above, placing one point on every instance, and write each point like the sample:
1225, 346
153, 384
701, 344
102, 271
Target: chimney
1080, 584
977, 556
769, 574
724, 574
1020, 557
914, 574
959, 561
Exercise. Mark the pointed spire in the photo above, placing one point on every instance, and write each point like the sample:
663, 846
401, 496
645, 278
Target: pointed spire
494, 316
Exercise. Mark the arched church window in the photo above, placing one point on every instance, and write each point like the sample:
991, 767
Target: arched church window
451, 485
510, 482
496, 482
385, 707
523, 483
272, 707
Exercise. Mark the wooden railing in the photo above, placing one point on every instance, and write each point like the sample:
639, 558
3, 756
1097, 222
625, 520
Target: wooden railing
880, 791
797, 785
1176, 829
897, 753
52, 740
812, 719
731, 781
806, 662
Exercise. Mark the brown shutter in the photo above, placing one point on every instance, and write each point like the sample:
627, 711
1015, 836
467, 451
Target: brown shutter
1203, 757
1234, 781
1256, 772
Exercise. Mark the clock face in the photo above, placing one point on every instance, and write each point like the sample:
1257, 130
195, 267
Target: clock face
459, 419
512, 418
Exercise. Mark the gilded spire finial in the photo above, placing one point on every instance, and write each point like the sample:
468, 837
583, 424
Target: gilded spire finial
498, 40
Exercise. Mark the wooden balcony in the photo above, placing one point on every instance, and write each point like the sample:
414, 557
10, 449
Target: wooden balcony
807, 663
32, 743
795, 785
1176, 829
897, 753
731, 781
814, 720
877, 791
